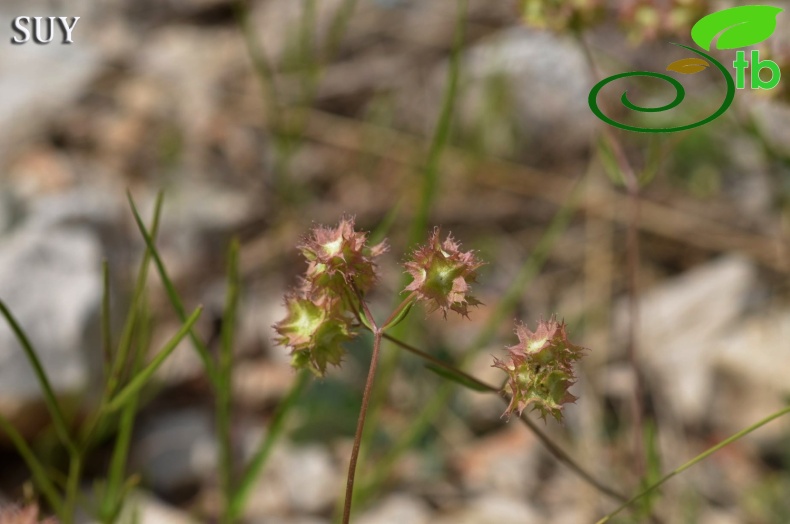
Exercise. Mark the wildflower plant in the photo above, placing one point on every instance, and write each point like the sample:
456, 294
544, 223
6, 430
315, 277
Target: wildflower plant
329, 307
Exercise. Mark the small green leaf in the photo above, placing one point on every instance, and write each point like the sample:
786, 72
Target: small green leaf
736, 27
403, 313
459, 379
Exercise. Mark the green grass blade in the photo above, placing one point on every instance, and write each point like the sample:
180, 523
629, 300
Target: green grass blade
61, 427
36, 468
106, 330
173, 295
276, 429
139, 380
119, 365
699, 458
112, 502
127, 334
225, 372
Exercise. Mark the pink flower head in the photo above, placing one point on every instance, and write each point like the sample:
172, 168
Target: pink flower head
540, 369
340, 257
442, 274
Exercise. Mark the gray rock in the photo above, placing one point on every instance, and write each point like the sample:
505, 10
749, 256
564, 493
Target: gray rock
310, 479
300, 479
505, 462
299, 519
680, 320
398, 507
140, 506
50, 279
493, 509
526, 88
771, 119
176, 449
38, 80
752, 361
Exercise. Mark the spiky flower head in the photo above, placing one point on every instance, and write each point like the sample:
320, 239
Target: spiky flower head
540, 369
314, 332
340, 257
442, 274
320, 312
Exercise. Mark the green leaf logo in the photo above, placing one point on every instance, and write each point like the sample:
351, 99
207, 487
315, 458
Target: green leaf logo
736, 27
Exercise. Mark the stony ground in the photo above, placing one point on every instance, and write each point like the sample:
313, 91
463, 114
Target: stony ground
164, 95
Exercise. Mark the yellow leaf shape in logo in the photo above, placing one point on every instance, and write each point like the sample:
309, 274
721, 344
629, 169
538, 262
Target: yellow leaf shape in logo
688, 66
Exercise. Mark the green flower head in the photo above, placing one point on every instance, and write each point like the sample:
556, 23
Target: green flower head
314, 333
540, 369
442, 275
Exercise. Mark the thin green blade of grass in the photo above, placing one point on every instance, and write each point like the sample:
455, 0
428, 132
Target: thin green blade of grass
175, 300
61, 427
140, 380
653, 470
128, 330
116, 483
699, 458
106, 330
40, 475
119, 360
244, 489
225, 375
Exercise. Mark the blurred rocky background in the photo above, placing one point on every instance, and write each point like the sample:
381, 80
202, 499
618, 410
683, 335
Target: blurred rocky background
260, 118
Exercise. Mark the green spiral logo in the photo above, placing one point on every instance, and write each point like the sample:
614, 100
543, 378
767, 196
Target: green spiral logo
680, 94
731, 28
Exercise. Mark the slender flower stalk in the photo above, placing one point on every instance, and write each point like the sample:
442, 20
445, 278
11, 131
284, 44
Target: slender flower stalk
363, 411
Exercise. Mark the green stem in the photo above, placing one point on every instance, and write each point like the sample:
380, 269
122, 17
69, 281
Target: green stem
441, 363
175, 301
142, 378
121, 357
702, 456
106, 331
72, 488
